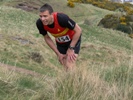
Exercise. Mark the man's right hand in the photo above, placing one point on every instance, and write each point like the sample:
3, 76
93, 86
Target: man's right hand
61, 58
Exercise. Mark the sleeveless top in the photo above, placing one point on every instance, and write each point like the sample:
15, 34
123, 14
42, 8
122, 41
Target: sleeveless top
61, 34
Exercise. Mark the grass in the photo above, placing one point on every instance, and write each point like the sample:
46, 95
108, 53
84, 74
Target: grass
104, 67
82, 84
101, 35
20, 30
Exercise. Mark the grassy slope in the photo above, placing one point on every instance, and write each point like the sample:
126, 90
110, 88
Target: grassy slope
105, 52
22, 35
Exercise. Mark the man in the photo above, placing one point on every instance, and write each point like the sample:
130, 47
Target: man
66, 32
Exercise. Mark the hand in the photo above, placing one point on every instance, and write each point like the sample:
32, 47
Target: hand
61, 58
71, 55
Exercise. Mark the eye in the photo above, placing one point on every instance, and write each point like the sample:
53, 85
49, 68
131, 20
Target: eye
40, 16
44, 15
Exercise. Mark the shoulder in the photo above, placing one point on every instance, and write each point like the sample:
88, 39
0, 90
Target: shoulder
39, 22
65, 21
40, 27
62, 16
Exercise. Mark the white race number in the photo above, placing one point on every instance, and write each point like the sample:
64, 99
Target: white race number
65, 38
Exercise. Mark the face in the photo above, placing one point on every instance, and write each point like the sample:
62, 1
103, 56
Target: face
46, 17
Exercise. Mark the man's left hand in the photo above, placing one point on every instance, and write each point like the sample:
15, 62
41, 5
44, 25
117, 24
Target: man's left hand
71, 55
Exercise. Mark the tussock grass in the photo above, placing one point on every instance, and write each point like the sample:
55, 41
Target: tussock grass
104, 83
81, 84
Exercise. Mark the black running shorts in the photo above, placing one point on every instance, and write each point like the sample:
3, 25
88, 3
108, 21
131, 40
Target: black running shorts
62, 47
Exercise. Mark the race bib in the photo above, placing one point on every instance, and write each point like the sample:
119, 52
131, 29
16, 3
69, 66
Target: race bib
65, 38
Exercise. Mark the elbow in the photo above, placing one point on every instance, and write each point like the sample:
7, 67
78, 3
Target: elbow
80, 30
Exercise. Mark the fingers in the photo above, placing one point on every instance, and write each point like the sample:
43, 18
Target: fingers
72, 58
61, 59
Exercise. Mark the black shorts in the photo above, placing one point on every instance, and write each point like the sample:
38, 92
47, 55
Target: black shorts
64, 46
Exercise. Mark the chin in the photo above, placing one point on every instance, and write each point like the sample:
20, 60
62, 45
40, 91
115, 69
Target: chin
45, 23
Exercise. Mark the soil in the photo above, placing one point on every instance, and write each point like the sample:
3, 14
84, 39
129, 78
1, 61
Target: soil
27, 7
20, 70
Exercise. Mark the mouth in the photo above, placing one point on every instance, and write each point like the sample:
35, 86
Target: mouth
45, 22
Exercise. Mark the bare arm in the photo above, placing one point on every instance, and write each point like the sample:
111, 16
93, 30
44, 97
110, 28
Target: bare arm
51, 44
70, 53
76, 36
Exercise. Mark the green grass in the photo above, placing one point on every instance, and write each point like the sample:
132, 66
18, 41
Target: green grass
18, 43
104, 67
107, 36
120, 74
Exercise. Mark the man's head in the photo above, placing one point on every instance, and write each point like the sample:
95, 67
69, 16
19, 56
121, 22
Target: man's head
46, 7
46, 14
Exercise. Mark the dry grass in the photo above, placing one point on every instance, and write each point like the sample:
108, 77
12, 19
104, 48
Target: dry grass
104, 67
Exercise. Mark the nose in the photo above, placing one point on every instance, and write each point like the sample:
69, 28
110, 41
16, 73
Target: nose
42, 18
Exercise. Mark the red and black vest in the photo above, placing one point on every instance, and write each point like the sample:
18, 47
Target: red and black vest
61, 34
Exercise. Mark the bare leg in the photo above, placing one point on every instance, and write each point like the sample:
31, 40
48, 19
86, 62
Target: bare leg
68, 64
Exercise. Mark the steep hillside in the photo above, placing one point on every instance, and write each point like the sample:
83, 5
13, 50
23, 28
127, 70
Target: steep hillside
104, 67
22, 46
21, 43
79, 13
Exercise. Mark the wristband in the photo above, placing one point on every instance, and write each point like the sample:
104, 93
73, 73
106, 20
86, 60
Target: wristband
71, 47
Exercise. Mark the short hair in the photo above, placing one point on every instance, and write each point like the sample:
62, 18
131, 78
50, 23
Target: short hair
46, 7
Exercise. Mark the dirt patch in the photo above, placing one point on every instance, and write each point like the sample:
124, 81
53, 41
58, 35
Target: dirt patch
22, 40
30, 6
27, 7
20, 70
